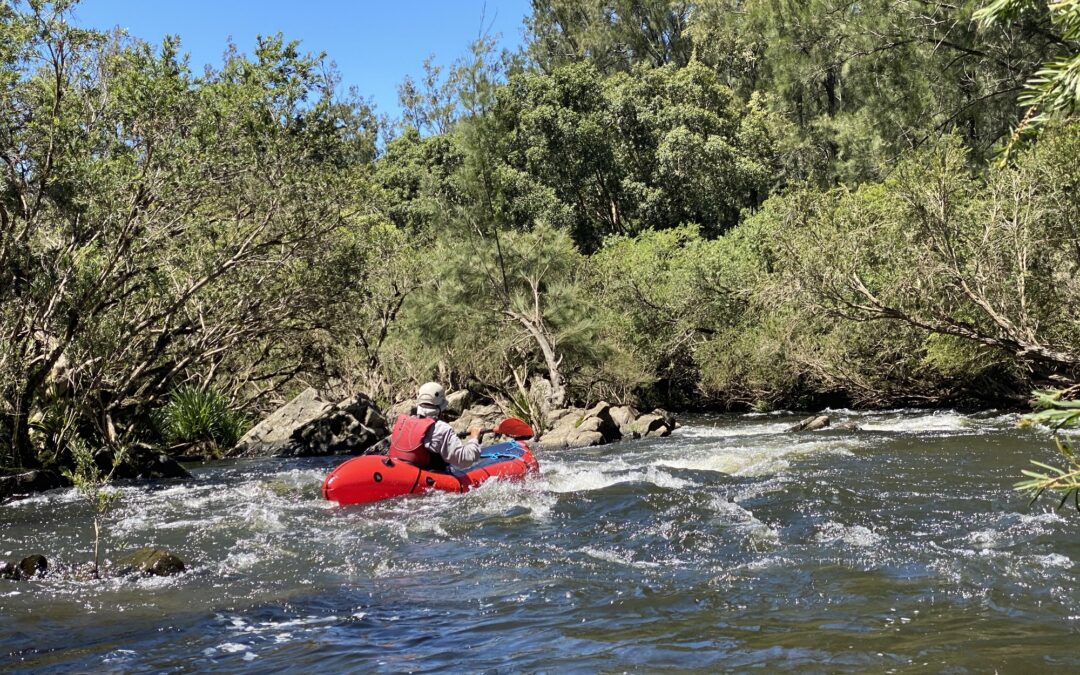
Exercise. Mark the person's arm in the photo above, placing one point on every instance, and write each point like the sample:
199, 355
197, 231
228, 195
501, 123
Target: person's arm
456, 453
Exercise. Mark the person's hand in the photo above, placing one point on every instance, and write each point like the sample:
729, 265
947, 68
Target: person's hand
475, 432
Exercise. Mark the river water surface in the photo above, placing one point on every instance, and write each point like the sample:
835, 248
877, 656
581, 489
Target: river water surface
731, 546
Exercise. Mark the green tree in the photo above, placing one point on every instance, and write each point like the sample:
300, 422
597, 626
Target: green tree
511, 318
612, 34
623, 153
979, 263
1054, 90
154, 226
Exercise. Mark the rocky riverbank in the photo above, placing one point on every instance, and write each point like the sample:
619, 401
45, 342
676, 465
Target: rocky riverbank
309, 425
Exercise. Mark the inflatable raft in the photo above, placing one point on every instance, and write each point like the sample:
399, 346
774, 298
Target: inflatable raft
373, 477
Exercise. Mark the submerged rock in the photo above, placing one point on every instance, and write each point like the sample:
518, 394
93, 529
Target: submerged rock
9, 570
28, 568
811, 424
149, 562
33, 566
847, 426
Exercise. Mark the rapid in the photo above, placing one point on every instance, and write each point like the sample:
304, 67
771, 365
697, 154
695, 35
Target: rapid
729, 546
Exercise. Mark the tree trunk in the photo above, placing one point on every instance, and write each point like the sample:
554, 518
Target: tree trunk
551, 359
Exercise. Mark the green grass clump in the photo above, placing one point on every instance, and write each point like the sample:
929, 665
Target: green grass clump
195, 415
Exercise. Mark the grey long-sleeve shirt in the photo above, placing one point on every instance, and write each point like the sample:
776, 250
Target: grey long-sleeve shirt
442, 439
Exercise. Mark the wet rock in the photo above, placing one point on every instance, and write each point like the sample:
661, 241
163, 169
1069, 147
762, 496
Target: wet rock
269, 435
149, 562
811, 424
30, 482
847, 426
9, 570
33, 566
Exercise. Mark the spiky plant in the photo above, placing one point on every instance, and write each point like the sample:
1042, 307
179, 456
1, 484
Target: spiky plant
1057, 410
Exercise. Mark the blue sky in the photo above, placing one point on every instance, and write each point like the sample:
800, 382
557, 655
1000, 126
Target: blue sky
375, 43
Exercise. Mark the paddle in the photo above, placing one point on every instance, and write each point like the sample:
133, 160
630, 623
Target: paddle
511, 427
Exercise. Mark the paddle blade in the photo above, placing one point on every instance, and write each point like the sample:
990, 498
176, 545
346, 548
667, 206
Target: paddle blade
514, 428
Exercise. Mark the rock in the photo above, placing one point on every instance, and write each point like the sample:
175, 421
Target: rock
33, 566
145, 463
150, 562
847, 426
9, 570
658, 423
266, 437
30, 482
811, 424
577, 428
484, 416
624, 417
459, 401
350, 427
407, 407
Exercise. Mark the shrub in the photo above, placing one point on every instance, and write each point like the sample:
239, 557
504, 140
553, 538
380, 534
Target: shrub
195, 415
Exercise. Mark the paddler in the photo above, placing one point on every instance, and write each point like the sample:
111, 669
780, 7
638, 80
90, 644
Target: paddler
426, 441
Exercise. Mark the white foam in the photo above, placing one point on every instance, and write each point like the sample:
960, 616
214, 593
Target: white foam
1055, 560
719, 432
853, 535
616, 557
752, 460
564, 478
933, 423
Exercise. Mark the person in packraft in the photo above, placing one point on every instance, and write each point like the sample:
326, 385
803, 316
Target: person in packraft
424, 440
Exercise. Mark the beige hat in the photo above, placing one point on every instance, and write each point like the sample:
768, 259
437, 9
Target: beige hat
431, 395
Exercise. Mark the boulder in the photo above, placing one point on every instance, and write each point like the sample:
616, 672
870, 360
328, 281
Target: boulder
811, 424
658, 423
577, 428
484, 416
30, 482
847, 426
459, 401
406, 407
350, 427
149, 562
624, 417
266, 437
33, 566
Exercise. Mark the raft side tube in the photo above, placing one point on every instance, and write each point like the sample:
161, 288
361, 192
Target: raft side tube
373, 477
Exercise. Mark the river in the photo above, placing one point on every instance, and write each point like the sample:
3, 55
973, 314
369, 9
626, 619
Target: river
731, 546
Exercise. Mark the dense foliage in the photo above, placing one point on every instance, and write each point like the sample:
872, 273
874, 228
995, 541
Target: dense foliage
692, 204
